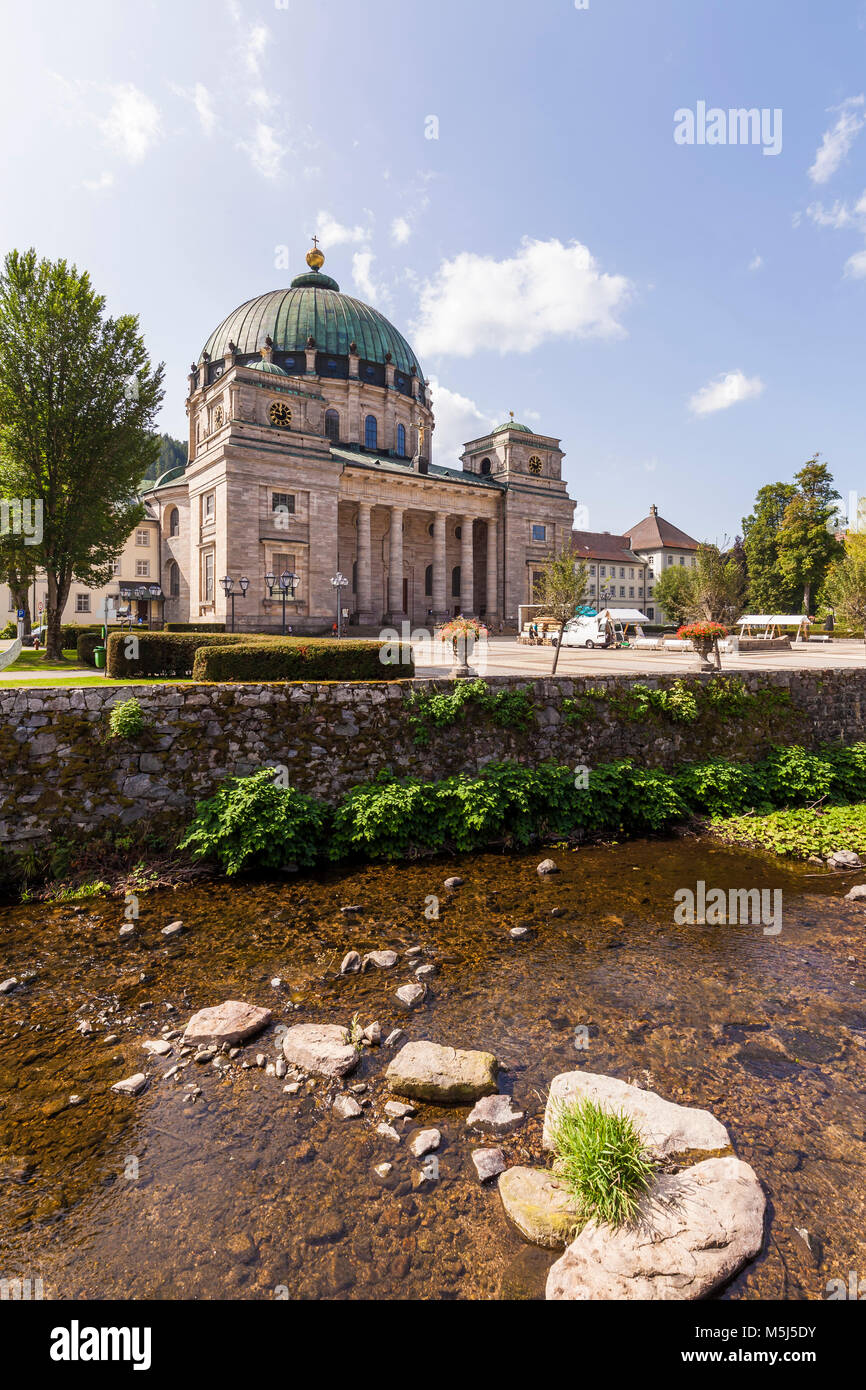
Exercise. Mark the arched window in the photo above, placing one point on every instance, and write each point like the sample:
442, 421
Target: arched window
428, 582
485, 465
174, 522
371, 433
174, 579
401, 440
332, 426
455, 582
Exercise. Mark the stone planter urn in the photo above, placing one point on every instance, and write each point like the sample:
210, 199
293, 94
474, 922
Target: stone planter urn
704, 646
462, 634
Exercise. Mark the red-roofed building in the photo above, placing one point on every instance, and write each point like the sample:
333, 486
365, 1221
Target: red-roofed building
623, 569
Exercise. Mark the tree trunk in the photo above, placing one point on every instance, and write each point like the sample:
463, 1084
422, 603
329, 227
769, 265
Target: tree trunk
21, 599
58, 592
558, 646
807, 591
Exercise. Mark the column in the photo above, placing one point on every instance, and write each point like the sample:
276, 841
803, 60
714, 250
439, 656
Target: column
467, 594
492, 570
395, 564
440, 578
364, 591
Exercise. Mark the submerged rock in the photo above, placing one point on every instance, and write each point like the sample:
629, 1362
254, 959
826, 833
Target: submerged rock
495, 1115
230, 1022
693, 1232
411, 996
346, 1108
131, 1086
173, 929
665, 1128
383, 960
547, 866
322, 1048
540, 1206
424, 1141
489, 1163
428, 1071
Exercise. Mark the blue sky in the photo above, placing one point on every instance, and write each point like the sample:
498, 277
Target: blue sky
688, 319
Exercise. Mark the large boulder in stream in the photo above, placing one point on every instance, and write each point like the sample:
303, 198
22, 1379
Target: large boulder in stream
323, 1048
540, 1206
428, 1071
693, 1231
231, 1022
667, 1129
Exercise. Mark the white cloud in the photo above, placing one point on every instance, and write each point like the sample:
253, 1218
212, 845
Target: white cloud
333, 233
458, 419
855, 266
840, 215
362, 274
726, 390
105, 180
400, 231
265, 151
756, 262
133, 124
837, 141
204, 108
547, 290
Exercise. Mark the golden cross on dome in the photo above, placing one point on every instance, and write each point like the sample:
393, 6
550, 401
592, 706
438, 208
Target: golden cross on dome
316, 242
511, 413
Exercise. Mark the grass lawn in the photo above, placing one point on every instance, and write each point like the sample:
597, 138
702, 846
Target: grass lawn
798, 834
72, 682
37, 661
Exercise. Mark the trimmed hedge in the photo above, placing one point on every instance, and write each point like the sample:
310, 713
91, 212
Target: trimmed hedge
297, 659
86, 646
159, 653
194, 627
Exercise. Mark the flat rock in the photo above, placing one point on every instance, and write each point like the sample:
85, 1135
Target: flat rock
412, 996
854, 895
665, 1128
692, 1233
230, 1022
395, 1037
7, 986
425, 972
157, 1047
173, 929
383, 960
547, 866
540, 1206
388, 1132
489, 1163
428, 1071
322, 1048
517, 932
131, 1086
454, 882
424, 1142
398, 1109
346, 1108
845, 859
495, 1115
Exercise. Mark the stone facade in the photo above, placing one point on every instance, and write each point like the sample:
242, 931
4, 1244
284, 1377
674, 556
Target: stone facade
60, 775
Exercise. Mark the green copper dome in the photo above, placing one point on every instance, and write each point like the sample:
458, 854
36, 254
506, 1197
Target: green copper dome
269, 368
312, 307
512, 425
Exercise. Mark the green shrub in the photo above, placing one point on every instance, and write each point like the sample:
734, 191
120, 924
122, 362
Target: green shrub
86, 645
126, 719
297, 659
135, 653
253, 822
505, 708
601, 1159
799, 834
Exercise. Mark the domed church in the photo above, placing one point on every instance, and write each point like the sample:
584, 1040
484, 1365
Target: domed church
311, 453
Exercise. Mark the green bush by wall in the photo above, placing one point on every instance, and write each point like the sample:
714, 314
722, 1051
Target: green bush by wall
297, 659
194, 627
158, 653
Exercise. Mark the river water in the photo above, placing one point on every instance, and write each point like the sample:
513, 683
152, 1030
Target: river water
248, 1192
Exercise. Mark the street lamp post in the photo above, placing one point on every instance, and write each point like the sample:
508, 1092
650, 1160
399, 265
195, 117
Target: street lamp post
229, 588
339, 583
287, 583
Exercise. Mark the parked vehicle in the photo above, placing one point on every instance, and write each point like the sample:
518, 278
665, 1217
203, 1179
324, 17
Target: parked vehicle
597, 631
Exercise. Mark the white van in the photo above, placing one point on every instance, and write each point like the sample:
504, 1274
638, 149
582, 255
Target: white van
588, 632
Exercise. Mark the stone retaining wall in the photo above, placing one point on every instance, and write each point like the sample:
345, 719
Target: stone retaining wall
60, 773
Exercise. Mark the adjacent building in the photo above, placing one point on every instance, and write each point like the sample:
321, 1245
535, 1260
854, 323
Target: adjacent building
623, 569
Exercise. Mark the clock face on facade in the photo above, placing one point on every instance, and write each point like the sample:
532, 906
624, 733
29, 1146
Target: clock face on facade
535, 465
219, 418
280, 413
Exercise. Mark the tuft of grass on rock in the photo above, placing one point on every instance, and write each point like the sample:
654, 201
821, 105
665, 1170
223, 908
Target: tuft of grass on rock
601, 1159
